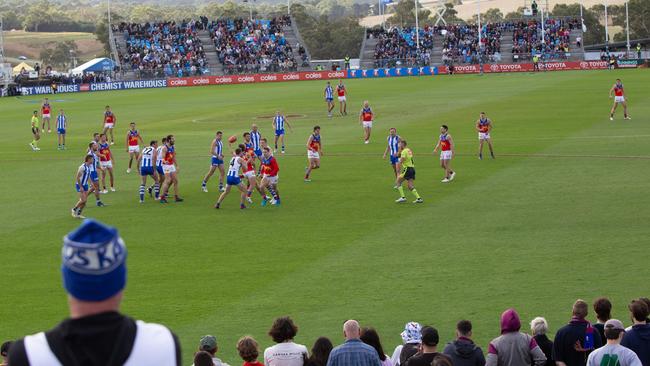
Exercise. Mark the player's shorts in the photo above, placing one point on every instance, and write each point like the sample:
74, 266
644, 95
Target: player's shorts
619, 99
272, 180
445, 155
35, 130
216, 161
249, 174
313, 154
342, 99
483, 135
233, 181
106, 164
160, 170
85, 186
258, 152
367, 124
134, 149
60, 131
394, 160
146, 170
46, 115
109, 125
408, 173
168, 169
279, 132
94, 177
329, 100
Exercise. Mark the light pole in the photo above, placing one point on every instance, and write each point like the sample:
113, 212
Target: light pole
417, 26
627, 28
288, 7
606, 29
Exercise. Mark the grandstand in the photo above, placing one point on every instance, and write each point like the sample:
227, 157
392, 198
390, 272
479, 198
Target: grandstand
204, 47
502, 42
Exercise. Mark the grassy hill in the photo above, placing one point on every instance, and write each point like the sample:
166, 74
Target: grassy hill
30, 44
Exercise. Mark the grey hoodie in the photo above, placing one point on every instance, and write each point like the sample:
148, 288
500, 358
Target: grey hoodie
514, 348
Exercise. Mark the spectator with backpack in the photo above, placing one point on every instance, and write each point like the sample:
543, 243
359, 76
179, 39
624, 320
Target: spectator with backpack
576, 340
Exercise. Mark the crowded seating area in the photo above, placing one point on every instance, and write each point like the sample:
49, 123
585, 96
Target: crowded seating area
556, 44
252, 46
162, 49
461, 44
398, 46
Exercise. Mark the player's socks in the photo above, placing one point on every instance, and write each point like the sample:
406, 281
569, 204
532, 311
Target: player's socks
274, 193
249, 193
242, 206
415, 193
480, 156
204, 184
142, 192
156, 190
492, 154
282, 147
400, 189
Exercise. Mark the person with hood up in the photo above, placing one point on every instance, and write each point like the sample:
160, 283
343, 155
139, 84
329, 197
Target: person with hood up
463, 351
514, 348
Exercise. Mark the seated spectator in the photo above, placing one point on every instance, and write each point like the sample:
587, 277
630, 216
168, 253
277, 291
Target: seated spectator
320, 352
576, 340
285, 352
539, 328
428, 348
96, 332
370, 337
353, 351
208, 344
638, 338
248, 351
513, 348
411, 337
603, 310
613, 353
203, 358
463, 351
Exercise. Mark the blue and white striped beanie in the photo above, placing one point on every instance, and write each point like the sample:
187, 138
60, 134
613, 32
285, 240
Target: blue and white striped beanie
94, 262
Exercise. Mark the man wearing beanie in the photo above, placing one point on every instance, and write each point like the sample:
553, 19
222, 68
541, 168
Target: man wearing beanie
428, 348
96, 334
514, 348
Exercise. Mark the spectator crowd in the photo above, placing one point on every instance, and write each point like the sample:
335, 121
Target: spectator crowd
251, 46
399, 46
163, 49
551, 43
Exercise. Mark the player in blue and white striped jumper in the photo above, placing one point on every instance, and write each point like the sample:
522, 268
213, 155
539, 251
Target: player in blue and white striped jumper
256, 136
146, 162
393, 148
61, 125
216, 162
329, 98
81, 185
278, 125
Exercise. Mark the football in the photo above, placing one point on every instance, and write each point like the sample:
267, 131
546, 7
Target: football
232, 139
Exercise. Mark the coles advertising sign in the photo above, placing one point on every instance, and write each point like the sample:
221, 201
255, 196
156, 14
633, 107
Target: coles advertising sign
255, 78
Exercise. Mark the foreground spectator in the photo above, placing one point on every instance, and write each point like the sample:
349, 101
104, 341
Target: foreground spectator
613, 353
428, 348
285, 352
353, 351
4, 352
203, 358
370, 337
514, 348
539, 328
248, 351
411, 337
320, 352
96, 333
208, 344
463, 351
603, 310
576, 340
638, 338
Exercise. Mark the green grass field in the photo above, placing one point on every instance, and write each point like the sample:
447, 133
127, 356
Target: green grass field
560, 214
30, 44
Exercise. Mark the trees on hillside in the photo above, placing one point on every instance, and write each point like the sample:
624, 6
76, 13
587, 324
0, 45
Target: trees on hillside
404, 14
